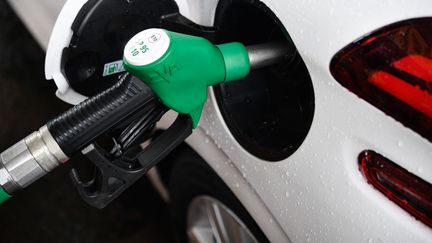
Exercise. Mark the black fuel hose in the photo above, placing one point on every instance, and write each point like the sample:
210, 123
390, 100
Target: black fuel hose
79, 126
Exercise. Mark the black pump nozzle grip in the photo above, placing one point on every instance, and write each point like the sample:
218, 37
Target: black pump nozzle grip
80, 125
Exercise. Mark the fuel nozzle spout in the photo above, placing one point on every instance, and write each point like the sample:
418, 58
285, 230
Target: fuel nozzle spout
267, 54
180, 67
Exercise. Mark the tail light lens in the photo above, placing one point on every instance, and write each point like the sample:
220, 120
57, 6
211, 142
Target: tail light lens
391, 68
407, 190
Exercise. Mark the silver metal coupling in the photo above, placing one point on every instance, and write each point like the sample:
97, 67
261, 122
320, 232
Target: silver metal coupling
29, 159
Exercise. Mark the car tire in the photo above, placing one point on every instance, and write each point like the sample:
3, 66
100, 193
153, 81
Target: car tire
194, 186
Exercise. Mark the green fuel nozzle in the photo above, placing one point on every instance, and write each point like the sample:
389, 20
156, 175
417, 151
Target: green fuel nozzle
179, 67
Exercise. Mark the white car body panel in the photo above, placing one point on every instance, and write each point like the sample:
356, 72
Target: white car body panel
198, 11
318, 193
306, 191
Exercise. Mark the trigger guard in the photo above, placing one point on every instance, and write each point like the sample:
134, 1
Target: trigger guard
111, 179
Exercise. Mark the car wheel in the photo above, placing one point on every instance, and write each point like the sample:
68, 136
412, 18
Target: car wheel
204, 208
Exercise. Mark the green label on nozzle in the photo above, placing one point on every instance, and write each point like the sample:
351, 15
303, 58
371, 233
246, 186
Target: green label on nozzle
113, 68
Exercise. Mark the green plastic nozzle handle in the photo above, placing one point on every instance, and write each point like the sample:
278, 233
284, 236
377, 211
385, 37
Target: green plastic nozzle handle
179, 67
3, 195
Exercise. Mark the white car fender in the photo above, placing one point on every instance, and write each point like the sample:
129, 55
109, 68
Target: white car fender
318, 193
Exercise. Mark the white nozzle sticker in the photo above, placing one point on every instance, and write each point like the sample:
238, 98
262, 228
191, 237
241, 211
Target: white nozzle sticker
146, 47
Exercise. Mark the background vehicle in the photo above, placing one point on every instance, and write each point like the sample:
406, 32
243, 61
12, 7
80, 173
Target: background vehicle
286, 141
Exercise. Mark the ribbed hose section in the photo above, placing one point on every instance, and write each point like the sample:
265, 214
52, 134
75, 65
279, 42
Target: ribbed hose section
80, 125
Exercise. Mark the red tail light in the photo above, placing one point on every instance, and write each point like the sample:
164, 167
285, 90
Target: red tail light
407, 190
392, 69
